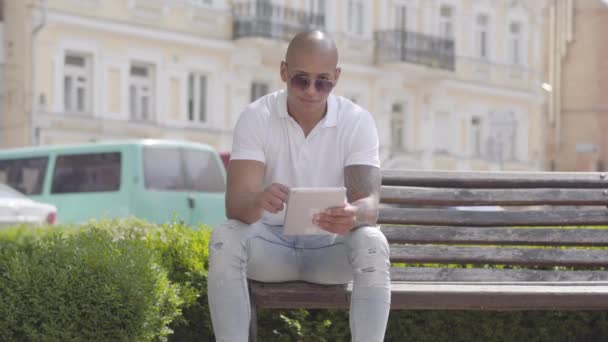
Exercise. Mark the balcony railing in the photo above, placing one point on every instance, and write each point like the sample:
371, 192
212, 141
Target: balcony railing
263, 19
413, 47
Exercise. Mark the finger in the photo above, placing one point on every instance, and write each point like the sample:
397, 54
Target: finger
340, 219
269, 208
279, 192
277, 203
281, 188
333, 222
339, 212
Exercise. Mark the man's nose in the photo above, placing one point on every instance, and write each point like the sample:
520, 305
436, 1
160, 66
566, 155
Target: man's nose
311, 88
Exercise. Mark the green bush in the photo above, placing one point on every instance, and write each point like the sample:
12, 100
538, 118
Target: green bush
134, 281
86, 285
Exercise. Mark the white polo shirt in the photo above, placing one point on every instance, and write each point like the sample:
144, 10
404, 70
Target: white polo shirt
265, 132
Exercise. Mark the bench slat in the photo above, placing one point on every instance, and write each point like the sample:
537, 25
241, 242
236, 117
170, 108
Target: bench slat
427, 274
499, 297
441, 296
496, 236
448, 217
495, 179
299, 294
456, 197
493, 255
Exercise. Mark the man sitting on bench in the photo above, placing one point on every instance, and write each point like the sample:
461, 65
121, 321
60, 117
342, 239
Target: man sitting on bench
302, 137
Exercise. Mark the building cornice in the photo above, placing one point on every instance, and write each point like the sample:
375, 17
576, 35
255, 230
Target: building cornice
135, 30
492, 91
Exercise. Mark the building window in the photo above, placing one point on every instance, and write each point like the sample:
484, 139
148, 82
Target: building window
197, 97
258, 89
442, 132
355, 17
141, 92
317, 6
476, 135
502, 137
515, 41
77, 83
398, 127
400, 17
482, 26
446, 22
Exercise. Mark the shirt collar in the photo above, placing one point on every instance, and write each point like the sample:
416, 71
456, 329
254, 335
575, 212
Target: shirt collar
331, 117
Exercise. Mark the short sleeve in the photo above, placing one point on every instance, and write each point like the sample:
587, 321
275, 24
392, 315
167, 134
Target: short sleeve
364, 143
249, 133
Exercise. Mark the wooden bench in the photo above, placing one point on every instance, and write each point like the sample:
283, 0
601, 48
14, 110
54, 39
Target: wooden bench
529, 256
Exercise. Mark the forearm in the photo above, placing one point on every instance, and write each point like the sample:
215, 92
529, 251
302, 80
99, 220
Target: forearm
242, 206
363, 192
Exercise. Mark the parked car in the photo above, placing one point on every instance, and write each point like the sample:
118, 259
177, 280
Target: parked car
16, 208
156, 180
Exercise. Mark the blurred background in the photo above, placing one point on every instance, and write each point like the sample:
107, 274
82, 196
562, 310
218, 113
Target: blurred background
452, 84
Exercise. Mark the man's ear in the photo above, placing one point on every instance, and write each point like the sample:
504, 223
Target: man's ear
284, 76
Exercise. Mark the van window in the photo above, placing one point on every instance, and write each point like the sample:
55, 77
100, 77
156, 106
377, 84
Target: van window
178, 169
94, 172
163, 169
203, 171
25, 175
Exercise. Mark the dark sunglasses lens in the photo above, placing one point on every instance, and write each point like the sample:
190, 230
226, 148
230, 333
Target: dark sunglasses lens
324, 86
300, 82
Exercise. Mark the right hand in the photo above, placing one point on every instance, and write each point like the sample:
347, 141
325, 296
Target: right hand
272, 199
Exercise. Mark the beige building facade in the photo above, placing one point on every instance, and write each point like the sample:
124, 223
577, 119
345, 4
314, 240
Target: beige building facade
577, 80
452, 84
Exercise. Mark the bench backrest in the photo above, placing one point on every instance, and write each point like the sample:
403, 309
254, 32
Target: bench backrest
538, 233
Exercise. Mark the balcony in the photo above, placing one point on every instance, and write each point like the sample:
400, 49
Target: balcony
265, 20
413, 47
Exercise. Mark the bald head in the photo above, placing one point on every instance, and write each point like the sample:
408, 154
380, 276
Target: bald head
315, 43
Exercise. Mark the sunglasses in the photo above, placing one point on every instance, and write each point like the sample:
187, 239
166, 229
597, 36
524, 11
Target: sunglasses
302, 82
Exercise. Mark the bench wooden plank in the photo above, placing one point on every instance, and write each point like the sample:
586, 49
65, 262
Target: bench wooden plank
442, 296
435, 274
496, 236
499, 297
448, 217
495, 180
508, 197
499, 256
299, 294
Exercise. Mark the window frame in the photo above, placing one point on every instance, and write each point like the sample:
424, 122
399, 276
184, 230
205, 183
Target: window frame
445, 22
194, 103
516, 57
58, 158
398, 123
255, 93
71, 97
38, 187
355, 27
482, 36
138, 83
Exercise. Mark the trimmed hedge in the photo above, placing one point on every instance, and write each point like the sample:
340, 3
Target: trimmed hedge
128, 280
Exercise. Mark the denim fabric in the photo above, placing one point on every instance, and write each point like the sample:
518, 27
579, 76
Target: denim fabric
238, 251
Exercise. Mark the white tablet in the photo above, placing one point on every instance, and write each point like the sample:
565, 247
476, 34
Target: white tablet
304, 203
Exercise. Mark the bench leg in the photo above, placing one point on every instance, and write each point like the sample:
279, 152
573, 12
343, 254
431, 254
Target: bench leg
253, 324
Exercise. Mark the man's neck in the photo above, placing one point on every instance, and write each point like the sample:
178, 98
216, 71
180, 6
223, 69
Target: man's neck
307, 121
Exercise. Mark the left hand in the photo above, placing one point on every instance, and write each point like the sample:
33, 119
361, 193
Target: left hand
338, 220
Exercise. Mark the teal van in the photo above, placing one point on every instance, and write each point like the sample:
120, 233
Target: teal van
156, 180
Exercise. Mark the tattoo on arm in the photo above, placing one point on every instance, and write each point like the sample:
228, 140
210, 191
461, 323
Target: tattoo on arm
362, 184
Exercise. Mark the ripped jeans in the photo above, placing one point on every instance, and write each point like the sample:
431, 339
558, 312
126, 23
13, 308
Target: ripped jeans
238, 251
